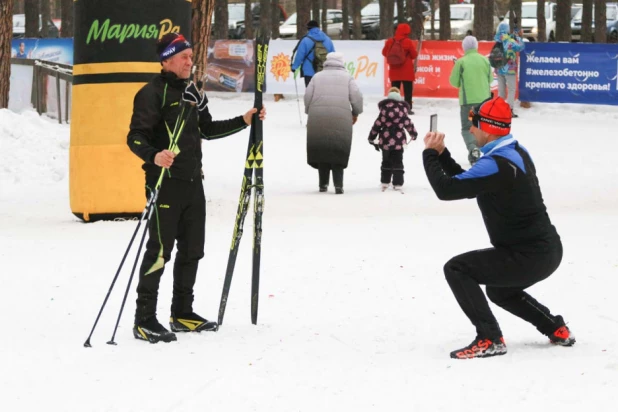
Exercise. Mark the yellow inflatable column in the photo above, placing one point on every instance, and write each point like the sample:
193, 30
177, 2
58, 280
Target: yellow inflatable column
114, 55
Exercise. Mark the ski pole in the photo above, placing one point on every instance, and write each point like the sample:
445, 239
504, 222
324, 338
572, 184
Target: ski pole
300, 116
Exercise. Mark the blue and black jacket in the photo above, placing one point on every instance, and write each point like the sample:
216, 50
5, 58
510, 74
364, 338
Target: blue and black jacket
507, 191
155, 109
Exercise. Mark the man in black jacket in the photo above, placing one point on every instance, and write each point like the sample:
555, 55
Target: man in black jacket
526, 247
180, 211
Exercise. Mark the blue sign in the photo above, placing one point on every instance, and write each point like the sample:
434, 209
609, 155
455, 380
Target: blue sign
569, 73
52, 50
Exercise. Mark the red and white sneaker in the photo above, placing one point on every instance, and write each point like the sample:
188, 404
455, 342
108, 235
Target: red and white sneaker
562, 336
481, 348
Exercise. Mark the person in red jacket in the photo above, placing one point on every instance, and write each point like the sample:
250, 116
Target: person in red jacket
402, 74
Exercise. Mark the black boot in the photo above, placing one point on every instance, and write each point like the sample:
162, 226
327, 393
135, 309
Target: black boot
191, 322
152, 331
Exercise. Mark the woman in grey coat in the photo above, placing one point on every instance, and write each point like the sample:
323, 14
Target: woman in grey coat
332, 103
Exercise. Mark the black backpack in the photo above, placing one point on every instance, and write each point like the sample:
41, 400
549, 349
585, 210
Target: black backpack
497, 56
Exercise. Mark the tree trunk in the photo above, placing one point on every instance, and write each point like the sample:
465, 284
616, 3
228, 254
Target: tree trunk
323, 16
248, 20
357, 29
415, 11
563, 21
541, 21
66, 16
221, 28
345, 14
515, 15
315, 10
274, 18
445, 20
32, 18
6, 35
18, 7
265, 17
401, 11
600, 20
303, 15
386, 18
586, 29
432, 19
201, 16
483, 26
45, 17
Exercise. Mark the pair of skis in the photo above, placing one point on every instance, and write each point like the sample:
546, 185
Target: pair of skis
252, 178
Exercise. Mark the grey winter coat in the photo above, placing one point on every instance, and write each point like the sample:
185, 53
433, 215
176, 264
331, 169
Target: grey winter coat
331, 100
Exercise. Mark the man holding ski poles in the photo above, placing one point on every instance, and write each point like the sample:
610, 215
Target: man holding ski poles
172, 103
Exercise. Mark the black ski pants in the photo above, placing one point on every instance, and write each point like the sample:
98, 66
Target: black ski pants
506, 273
179, 216
392, 167
324, 170
408, 88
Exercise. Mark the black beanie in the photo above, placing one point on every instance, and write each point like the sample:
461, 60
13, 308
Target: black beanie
311, 24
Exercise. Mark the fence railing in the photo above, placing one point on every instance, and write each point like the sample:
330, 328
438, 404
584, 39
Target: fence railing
49, 88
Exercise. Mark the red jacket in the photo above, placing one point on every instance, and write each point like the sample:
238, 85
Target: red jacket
406, 70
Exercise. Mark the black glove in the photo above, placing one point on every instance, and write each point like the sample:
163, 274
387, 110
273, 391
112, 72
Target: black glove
193, 95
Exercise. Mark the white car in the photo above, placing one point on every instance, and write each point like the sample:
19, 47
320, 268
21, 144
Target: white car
334, 21
462, 22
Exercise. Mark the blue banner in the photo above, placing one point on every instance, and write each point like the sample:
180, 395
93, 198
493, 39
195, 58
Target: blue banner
52, 50
569, 73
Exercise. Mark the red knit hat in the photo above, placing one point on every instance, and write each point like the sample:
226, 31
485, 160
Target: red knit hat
492, 116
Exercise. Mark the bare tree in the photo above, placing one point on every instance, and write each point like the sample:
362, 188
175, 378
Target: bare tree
541, 21
563, 21
401, 11
66, 16
303, 15
221, 13
357, 29
600, 22
32, 18
586, 33
201, 17
483, 26
345, 14
18, 6
6, 35
445, 20
315, 10
45, 17
415, 11
274, 32
323, 16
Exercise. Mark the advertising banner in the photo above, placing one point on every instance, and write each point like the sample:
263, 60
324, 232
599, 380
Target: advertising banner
51, 50
569, 73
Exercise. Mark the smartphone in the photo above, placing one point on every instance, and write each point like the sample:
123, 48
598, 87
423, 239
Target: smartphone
433, 123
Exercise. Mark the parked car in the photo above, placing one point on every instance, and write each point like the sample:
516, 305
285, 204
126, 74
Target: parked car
611, 16
236, 18
462, 22
334, 21
529, 24
370, 19
19, 27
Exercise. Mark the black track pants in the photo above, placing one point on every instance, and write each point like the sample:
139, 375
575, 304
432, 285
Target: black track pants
506, 273
180, 216
392, 167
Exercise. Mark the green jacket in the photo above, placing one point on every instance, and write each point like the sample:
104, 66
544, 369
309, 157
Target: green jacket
472, 75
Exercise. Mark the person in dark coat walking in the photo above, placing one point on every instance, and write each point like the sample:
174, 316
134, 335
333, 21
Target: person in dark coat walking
526, 246
402, 75
390, 129
180, 210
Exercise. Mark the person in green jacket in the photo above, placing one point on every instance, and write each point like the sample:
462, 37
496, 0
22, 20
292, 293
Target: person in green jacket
472, 75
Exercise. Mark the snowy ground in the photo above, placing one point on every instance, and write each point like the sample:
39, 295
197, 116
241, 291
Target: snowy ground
355, 314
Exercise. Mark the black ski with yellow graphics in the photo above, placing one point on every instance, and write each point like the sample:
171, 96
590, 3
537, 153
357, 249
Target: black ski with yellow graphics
253, 166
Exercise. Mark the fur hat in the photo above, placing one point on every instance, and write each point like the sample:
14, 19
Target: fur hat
469, 43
